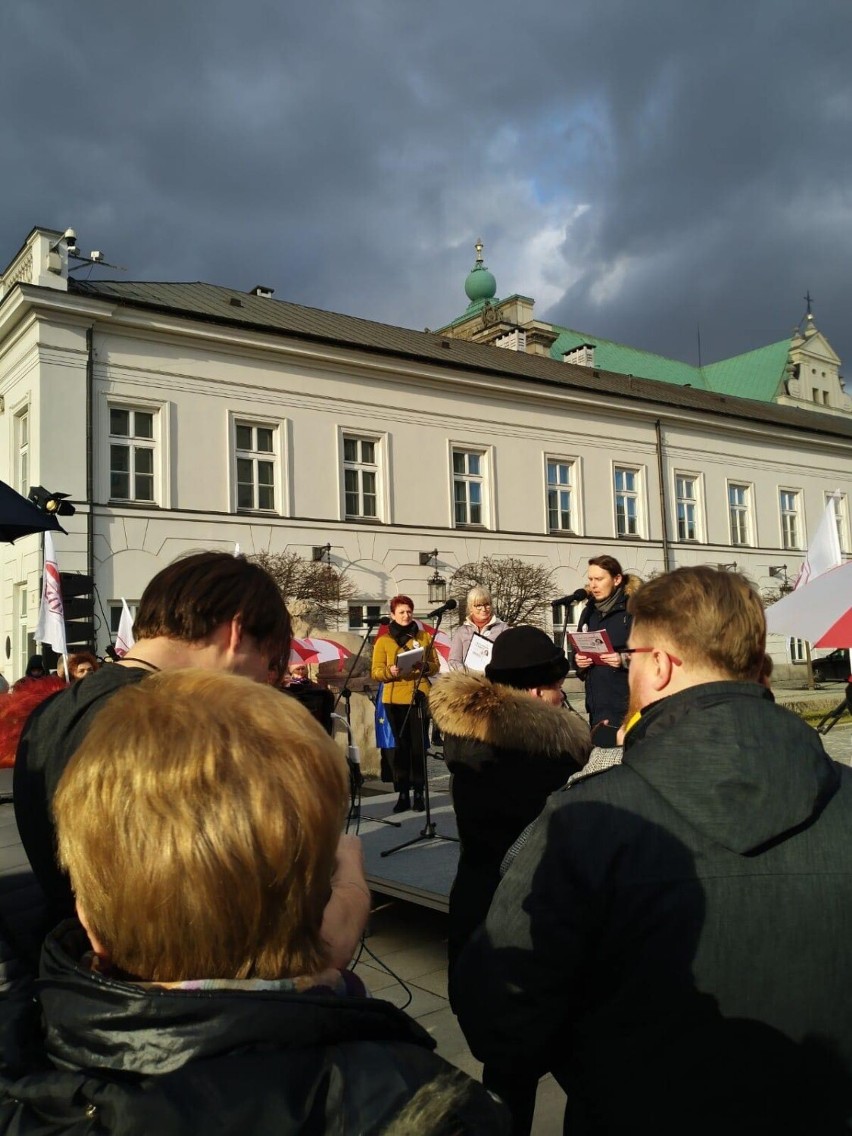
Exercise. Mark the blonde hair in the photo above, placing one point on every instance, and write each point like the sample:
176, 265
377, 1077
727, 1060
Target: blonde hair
713, 617
199, 823
477, 594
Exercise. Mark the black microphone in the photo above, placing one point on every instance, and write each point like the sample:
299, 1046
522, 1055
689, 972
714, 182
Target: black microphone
575, 597
383, 622
450, 605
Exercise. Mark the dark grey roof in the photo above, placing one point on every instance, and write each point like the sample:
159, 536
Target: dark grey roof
215, 304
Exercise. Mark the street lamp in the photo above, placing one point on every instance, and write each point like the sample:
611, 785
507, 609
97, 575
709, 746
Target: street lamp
779, 571
436, 582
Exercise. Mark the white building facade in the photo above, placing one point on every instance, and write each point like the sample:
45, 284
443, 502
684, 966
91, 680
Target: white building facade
181, 417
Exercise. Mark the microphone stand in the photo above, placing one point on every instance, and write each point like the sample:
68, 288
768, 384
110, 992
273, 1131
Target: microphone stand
833, 716
430, 829
563, 635
356, 779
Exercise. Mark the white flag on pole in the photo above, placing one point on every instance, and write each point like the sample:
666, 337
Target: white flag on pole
124, 636
824, 550
51, 613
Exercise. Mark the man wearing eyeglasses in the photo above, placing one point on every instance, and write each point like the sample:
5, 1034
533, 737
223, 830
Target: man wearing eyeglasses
673, 940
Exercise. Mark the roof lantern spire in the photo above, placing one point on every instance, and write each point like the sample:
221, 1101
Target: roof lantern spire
810, 325
480, 285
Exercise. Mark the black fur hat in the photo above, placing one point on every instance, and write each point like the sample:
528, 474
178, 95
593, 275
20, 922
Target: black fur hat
525, 657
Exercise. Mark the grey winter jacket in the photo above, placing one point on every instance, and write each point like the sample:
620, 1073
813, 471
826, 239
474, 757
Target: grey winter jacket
462, 639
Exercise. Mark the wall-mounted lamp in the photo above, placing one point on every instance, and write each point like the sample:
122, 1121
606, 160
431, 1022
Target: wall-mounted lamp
779, 572
436, 582
732, 567
321, 552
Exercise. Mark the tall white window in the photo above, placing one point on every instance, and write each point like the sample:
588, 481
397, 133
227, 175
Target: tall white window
131, 454
25, 644
560, 496
788, 500
626, 501
686, 501
797, 651
739, 513
837, 503
22, 452
361, 477
468, 487
255, 461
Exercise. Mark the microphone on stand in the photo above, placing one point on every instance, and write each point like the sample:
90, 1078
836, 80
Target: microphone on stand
382, 622
450, 605
575, 597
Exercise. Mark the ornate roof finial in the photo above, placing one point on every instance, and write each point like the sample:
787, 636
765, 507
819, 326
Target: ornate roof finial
809, 301
480, 285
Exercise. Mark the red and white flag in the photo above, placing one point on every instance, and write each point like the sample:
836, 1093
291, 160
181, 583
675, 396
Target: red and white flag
51, 613
124, 639
824, 550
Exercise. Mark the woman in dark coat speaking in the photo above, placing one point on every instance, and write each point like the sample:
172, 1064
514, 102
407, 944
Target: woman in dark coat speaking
606, 679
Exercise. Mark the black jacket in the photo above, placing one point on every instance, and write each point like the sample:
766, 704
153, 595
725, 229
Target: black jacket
507, 752
673, 940
51, 736
606, 687
130, 1060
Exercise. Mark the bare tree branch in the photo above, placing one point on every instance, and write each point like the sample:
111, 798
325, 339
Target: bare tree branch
520, 591
316, 589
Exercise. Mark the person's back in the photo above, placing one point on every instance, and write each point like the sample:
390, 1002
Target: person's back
672, 940
199, 825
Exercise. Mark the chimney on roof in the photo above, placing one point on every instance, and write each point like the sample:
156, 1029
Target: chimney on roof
263, 291
583, 355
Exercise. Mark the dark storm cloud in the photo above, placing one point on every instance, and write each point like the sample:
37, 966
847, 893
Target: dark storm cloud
638, 168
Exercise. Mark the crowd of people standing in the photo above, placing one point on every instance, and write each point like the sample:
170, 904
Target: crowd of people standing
651, 902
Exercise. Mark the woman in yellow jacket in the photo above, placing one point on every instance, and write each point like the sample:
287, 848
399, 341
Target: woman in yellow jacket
409, 762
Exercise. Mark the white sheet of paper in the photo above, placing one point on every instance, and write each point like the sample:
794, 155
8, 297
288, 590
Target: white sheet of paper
478, 653
408, 660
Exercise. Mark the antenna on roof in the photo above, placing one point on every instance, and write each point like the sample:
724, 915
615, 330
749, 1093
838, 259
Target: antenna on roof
94, 259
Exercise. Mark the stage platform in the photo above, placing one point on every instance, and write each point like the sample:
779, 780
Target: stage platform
424, 872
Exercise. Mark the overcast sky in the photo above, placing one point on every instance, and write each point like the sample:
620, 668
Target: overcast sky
639, 167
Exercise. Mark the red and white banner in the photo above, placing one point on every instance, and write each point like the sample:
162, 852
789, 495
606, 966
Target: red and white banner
51, 613
124, 636
824, 550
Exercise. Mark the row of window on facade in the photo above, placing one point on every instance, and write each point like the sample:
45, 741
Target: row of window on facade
132, 453
132, 478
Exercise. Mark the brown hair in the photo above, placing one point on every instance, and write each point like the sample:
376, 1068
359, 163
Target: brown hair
199, 823
712, 617
608, 563
196, 594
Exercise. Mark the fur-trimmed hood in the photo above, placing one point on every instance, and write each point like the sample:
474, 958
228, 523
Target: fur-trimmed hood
469, 706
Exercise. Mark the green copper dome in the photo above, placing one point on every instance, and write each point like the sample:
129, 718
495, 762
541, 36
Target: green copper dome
480, 284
